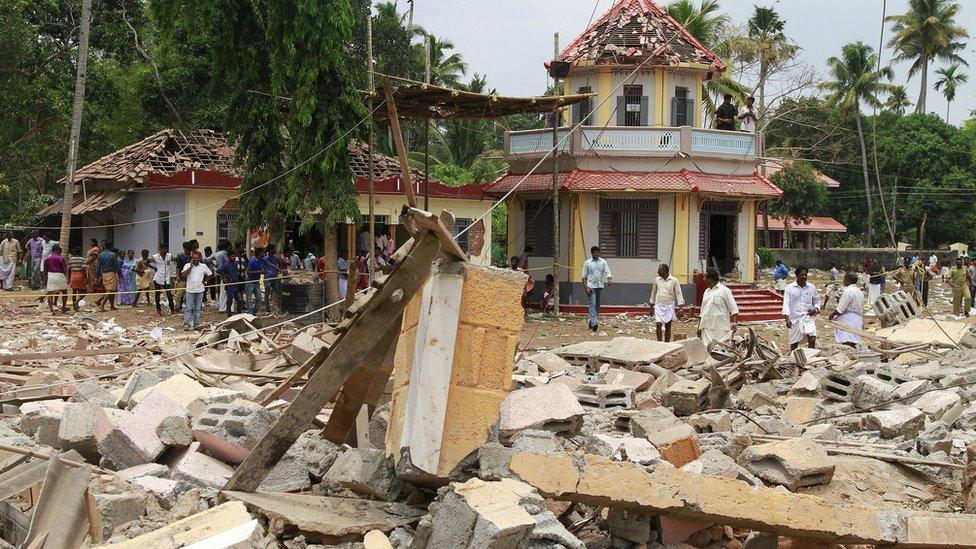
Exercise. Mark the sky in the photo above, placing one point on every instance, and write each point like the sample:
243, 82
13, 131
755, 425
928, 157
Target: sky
508, 40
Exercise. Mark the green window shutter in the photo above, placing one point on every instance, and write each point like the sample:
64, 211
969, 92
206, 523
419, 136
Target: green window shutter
621, 111
576, 113
644, 111
692, 109
675, 105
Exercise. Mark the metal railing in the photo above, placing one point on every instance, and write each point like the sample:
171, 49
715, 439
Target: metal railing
636, 141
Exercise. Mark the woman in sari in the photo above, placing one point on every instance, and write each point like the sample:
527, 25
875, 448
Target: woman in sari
93, 282
127, 282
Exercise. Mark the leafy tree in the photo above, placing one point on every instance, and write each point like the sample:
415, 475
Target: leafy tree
897, 100
927, 31
769, 47
804, 196
949, 79
856, 81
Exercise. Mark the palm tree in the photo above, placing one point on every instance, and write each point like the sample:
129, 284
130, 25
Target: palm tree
897, 100
706, 24
927, 31
951, 77
770, 47
446, 68
857, 81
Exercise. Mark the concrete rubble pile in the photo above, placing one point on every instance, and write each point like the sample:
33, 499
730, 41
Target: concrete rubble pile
474, 443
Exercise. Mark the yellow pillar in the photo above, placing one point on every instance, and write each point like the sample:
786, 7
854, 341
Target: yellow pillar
604, 85
699, 94
682, 219
751, 248
577, 251
660, 81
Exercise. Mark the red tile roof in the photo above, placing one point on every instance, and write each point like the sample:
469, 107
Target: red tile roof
684, 181
775, 165
393, 185
816, 225
633, 29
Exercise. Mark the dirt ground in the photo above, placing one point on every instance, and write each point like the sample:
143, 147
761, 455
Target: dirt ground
539, 333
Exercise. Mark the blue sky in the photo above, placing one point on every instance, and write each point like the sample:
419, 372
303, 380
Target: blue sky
508, 40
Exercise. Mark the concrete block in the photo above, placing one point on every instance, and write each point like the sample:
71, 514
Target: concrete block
837, 386
633, 449
793, 463
200, 469
174, 431
686, 397
537, 442
118, 509
633, 353
290, 474
91, 390
716, 463
911, 388
603, 395
318, 453
806, 383
163, 488
133, 440
675, 440
79, 429
868, 391
638, 381
366, 471
229, 431
632, 526
42, 420
695, 350
906, 422
379, 422
800, 410
550, 407
945, 406
138, 381
550, 363
212, 395
180, 388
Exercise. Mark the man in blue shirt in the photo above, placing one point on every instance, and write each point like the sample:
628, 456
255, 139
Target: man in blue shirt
231, 276
272, 284
781, 272
596, 275
255, 268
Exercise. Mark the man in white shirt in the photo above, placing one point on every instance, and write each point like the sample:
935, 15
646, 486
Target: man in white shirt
196, 274
161, 264
850, 311
801, 303
748, 116
719, 312
9, 254
595, 271
665, 295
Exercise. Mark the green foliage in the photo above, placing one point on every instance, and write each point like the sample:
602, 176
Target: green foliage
803, 195
856, 80
766, 258
451, 174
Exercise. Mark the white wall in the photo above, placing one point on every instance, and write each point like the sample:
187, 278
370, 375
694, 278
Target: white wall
673, 79
146, 205
619, 79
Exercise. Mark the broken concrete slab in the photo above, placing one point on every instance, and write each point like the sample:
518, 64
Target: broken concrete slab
549, 407
366, 471
132, 439
940, 405
792, 463
79, 429
199, 469
647, 355
92, 391
686, 397
322, 519
904, 422
868, 391
675, 439
180, 388
201, 528
638, 381
42, 420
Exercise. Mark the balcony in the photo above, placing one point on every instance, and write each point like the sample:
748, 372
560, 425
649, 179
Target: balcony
655, 141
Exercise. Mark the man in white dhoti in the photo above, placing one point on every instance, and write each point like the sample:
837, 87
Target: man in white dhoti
801, 303
719, 313
849, 311
9, 253
665, 296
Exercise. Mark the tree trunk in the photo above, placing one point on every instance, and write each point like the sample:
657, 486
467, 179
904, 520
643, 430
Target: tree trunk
867, 182
948, 104
766, 225
920, 106
921, 231
762, 89
330, 251
77, 108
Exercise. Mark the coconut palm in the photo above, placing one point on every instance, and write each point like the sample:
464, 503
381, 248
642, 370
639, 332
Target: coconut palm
857, 81
446, 68
949, 79
897, 100
770, 47
927, 31
706, 24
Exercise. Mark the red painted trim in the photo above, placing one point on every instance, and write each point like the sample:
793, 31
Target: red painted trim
393, 185
193, 179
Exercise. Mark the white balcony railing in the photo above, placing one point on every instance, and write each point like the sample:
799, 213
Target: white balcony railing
635, 141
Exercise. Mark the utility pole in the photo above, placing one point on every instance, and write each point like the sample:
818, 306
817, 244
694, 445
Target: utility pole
79, 105
369, 178
427, 54
555, 185
894, 212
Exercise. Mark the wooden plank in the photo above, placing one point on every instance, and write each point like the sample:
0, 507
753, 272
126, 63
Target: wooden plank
61, 510
245, 374
346, 355
70, 354
435, 224
398, 141
195, 528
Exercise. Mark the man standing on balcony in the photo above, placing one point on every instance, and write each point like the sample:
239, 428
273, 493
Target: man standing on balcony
595, 271
725, 114
747, 116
